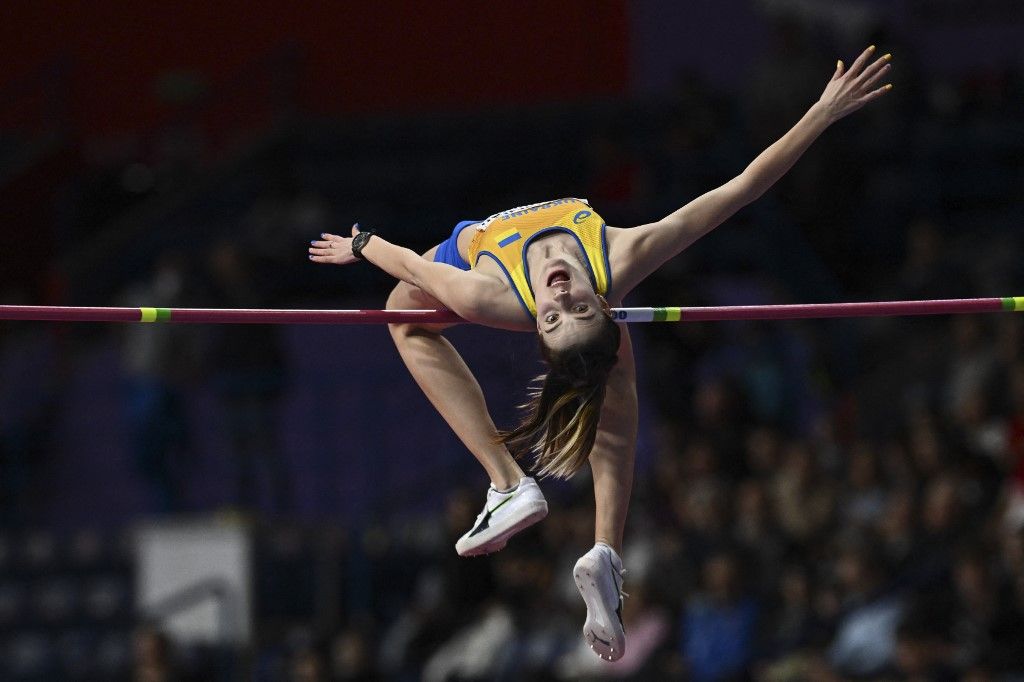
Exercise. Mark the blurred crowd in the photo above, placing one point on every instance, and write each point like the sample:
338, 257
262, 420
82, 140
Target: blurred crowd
823, 500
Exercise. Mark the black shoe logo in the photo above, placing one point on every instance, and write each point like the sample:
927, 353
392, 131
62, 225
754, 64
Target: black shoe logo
483, 525
594, 635
486, 520
618, 588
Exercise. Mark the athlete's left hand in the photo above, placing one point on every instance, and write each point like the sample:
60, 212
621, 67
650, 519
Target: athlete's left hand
852, 88
331, 248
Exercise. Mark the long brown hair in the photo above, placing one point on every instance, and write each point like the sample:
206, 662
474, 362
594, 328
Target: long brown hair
560, 424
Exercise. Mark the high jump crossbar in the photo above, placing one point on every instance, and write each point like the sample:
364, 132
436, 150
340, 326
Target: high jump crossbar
949, 306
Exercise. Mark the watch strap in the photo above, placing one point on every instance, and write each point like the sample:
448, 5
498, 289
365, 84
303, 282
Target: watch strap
359, 241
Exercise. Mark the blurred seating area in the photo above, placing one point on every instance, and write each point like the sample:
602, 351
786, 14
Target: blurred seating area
66, 605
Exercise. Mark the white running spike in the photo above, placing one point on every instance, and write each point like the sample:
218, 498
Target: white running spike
601, 591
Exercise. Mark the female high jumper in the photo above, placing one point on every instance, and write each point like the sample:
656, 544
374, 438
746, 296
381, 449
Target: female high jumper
556, 269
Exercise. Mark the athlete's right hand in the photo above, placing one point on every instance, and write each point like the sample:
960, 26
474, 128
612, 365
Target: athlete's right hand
331, 248
852, 88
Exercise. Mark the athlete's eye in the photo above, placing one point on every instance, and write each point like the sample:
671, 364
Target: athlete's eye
580, 308
551, 318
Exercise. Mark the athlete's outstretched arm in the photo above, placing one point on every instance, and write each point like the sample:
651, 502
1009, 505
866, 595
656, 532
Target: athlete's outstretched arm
646, 247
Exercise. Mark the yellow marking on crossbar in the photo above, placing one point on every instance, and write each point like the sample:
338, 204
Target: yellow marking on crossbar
148, 315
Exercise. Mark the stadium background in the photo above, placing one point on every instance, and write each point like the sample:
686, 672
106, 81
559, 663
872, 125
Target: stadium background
815, 500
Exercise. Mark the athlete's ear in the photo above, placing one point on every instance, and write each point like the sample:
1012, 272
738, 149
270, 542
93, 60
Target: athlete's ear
605, 306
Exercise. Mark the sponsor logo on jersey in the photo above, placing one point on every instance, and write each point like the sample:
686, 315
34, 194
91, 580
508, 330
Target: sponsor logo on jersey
581, 216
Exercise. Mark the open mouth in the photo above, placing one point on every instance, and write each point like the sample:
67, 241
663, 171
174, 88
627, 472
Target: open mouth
558, 277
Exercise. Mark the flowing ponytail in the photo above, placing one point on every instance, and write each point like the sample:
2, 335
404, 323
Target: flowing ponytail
560, 424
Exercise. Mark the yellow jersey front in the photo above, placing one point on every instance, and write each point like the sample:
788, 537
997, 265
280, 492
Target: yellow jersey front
505, 236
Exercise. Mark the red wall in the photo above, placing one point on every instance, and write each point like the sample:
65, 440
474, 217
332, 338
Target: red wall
370, 55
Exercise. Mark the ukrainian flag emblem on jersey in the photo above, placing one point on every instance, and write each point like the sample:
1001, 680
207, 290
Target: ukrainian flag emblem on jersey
508, 237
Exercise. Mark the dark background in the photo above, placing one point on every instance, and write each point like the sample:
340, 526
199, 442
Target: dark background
799, 483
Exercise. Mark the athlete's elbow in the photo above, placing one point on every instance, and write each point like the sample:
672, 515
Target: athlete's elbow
417, 273
746, 188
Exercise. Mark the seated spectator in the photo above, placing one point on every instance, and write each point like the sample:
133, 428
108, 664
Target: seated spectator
863, 499
719, 624
793, 625
896, 528
804, 499
756, 533
865, 639
986, 626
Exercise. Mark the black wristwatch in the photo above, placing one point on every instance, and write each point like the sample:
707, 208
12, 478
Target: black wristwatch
359, 241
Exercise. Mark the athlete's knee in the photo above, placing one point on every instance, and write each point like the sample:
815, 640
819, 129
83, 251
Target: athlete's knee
400, 332
400, 299
397, 300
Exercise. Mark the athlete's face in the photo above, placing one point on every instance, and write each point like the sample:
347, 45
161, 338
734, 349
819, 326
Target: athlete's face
568, 308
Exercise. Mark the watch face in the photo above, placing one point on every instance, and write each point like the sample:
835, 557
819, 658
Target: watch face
359, 241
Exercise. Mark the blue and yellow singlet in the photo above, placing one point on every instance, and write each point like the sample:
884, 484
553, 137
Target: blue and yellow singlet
505, 236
